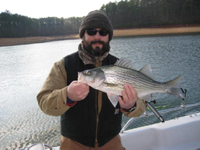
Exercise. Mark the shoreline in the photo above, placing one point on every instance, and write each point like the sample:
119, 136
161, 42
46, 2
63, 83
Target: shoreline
136, 32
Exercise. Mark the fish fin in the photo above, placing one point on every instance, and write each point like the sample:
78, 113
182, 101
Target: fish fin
174, 88
109, 84
124, 63
113, 99
175, 82
147, 71
146, 97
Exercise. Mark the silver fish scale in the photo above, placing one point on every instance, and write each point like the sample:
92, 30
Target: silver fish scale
120, 75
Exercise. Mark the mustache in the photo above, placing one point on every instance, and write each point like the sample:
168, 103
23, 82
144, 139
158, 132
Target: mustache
95, 42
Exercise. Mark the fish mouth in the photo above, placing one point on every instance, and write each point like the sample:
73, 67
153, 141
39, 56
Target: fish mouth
80, 79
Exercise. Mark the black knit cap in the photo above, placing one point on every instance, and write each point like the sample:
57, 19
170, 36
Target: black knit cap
96, 19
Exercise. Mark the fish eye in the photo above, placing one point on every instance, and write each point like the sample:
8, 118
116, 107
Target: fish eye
87, 73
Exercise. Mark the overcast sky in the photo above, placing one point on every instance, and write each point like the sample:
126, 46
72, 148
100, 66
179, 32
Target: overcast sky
52, 8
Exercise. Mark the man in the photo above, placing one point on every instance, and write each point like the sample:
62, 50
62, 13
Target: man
88, 119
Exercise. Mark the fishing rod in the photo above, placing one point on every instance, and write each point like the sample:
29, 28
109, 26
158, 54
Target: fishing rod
156, 113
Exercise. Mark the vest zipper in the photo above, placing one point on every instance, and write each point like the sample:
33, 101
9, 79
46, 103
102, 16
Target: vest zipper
99, 99
97, 106
97, 114
97, 128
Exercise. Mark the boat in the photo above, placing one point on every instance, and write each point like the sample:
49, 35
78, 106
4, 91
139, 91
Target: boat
181, 133
178, 134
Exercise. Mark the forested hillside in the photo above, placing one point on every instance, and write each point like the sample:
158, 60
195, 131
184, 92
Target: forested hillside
123, 14
148, 13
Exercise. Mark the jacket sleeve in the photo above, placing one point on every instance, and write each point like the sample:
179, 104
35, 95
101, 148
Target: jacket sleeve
53, 95
139, 110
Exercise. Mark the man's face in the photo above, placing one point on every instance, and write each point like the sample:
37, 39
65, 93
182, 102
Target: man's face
96, 44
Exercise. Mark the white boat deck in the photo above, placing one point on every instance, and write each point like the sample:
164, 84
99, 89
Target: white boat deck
178, 134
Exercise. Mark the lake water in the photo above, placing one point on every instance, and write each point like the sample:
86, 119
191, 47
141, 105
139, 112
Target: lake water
24, 68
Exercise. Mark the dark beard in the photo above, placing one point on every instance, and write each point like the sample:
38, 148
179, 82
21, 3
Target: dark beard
97, 51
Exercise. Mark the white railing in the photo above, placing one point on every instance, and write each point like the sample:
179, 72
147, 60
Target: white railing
162, 111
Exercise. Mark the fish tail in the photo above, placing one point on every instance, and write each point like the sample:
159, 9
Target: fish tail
174, 89
175, 82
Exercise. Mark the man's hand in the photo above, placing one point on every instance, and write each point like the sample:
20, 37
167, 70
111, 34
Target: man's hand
129, 95
77, 91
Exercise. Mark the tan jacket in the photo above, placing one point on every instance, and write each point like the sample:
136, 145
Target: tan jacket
53, 96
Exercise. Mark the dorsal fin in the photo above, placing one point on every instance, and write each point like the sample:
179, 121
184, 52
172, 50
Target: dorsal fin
147, 71
124, 63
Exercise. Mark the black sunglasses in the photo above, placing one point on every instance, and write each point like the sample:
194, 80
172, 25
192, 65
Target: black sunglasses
94, 32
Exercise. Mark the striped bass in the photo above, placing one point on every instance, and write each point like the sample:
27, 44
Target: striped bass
111, 79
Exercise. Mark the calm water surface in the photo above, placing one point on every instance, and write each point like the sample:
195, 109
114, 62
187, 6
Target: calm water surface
24, 68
